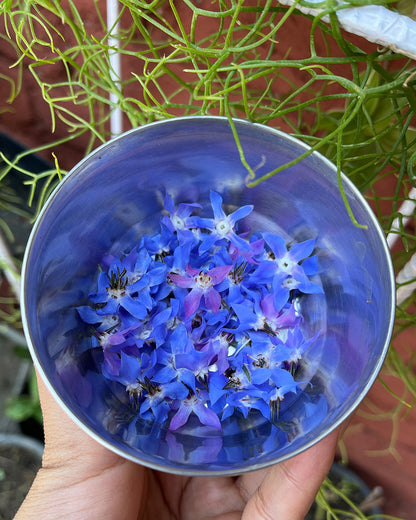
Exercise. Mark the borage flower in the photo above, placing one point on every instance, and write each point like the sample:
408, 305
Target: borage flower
222, 226
114, 292
131, 369
200, 321
287, 269
202, 284
157, 398
194, 404
179, 220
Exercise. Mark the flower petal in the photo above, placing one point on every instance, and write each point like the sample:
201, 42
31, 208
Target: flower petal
240, 213
192, 301
276, 244
134, 307
207, 416
260, 375
182, 281
88, 315
310, 265
219, 273
212, 300
216, 203
180, 417
302, 250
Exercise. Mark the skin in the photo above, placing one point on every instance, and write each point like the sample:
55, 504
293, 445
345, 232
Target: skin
81, 480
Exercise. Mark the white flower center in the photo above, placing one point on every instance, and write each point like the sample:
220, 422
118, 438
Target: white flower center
197, 233
172, 323
278, 395
261, 361
110, 321
104, 339
259, 323
201, 372
223, 227
178, 222
133, 388
117, 294
295, 356
144, 334
203, 280
286, 264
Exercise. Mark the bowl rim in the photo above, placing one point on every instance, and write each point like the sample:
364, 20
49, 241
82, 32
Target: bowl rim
248, 467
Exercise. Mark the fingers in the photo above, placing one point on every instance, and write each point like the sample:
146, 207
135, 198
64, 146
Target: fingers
287, 490
80, 479
211, 498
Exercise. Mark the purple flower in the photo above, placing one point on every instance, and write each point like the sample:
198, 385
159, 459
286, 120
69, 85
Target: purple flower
153, 330
202, 284
179, 220
276, 319
197, 406
244, 401
298, 345
169, 370
266, 360
101, 321
157, 398
249, 256
283, 268
278, 393
195, 365
160, 245
131, 370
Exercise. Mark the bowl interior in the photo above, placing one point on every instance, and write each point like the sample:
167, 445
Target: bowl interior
115, 195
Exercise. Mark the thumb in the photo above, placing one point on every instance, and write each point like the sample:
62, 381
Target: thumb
289, 488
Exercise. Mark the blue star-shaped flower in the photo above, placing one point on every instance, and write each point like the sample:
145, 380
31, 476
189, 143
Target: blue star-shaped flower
222, 226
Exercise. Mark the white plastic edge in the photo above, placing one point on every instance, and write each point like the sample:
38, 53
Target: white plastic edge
375, 23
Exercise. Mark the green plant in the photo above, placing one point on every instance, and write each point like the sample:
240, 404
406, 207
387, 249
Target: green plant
26, 406
353, 102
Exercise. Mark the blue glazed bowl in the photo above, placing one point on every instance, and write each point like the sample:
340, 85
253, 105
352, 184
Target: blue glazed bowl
115, 195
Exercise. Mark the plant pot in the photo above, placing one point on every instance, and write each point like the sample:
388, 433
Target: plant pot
15, 209
115, 196
20, 459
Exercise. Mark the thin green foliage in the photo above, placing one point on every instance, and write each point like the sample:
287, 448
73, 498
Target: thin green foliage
171, 68
230, 72
27, 406
355, 106
334, 502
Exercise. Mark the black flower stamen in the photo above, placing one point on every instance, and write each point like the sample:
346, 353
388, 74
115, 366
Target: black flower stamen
274, 409
118, 280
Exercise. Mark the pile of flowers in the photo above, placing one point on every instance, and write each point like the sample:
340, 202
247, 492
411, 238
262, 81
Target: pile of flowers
201, 320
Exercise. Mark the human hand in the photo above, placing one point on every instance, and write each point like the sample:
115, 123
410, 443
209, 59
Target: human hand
82, 480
